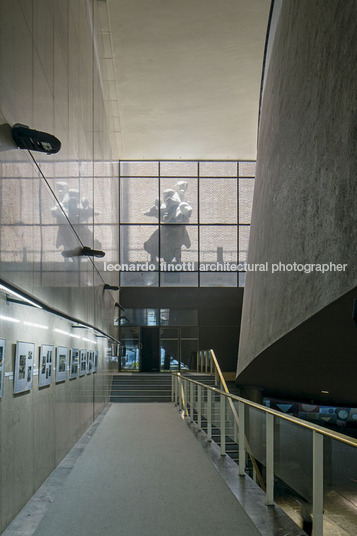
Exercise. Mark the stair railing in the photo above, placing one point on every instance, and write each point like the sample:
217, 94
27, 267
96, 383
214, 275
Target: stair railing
187, 394
207, 363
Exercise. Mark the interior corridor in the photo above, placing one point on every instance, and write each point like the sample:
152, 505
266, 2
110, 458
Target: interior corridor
140, 472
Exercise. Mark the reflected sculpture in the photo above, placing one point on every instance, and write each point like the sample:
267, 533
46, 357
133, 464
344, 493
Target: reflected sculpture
174, 211
78, 211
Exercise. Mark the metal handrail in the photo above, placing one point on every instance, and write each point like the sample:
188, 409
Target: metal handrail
186, 400
316, 427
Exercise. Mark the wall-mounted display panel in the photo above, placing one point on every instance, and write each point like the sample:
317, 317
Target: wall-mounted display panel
46, 365
74, 363
2, 364
24, 363
61, 364
90, 362
95, 365
83, 363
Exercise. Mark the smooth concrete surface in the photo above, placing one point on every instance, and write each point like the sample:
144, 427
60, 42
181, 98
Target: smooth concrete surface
143, 473
187, 77
304, 203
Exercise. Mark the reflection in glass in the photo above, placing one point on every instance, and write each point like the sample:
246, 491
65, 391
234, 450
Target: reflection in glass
189, 350
169, 355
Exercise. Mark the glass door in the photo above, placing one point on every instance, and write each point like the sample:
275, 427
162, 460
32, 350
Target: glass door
130, 349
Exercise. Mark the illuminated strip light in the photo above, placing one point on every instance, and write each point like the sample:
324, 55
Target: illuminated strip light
61, 331
19, 296
41, 326
88, 340
9, 318
74, 336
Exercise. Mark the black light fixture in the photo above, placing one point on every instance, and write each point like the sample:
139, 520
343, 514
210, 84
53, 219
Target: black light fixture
89, 252
110, 287
34, 140
85, 251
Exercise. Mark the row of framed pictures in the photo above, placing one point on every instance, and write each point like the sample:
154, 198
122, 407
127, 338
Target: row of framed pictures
80, 362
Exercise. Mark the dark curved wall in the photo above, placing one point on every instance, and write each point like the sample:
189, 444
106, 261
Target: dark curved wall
304, 207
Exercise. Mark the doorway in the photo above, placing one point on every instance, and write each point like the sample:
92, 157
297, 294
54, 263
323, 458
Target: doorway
150, 349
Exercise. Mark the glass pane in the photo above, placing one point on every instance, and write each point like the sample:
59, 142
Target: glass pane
218, 244
129, 333
130, 355
139, 169
139, 200
169, 355
179, 317
169, 333
246, 191
218, 279
171, 279
139, 279
178, 200
179, 247
218, 201
139, 244
247, 169
218, 169
189, 332
340, 486
189, 354
242, 277
244, 231
178, 169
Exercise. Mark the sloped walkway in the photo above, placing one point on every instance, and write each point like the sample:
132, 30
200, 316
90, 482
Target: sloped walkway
143, 474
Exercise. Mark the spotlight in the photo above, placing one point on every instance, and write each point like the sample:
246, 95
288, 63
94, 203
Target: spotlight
111, 287
34, 140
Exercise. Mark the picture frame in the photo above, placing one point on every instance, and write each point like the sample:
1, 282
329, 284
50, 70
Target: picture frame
95, 364
83, 363
90, 362
45, 367
24, 364
61, 363
74, 364
2, 365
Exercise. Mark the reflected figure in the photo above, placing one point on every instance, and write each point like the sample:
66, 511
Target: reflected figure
78, 211
172, 209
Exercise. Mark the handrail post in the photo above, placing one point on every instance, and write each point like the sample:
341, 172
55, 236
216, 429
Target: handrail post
206, 360
209, 415
185, 398
317, 483
241, 438
198, 360
199, 407
172, 387
223, 424
176, 389
210, 362
269, 423
191, 401
180, 392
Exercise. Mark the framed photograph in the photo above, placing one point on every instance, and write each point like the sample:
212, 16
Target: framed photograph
24, 363
83, 363
46, 365
2, 365
95, 364
74, 363
90, 362
61, 363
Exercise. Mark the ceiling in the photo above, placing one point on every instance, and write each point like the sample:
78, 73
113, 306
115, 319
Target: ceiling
183, 76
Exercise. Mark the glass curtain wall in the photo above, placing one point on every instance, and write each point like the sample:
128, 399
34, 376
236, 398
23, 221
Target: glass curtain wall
184, 223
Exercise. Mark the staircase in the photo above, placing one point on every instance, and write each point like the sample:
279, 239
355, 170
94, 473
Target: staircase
141, 387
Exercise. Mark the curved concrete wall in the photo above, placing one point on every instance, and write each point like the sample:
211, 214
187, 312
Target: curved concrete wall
304, 207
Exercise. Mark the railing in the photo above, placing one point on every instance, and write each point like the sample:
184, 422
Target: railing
299, 452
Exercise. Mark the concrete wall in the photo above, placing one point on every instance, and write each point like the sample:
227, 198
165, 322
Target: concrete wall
50, 80
304, 206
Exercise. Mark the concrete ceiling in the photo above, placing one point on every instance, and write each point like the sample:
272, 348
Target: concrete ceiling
186, 77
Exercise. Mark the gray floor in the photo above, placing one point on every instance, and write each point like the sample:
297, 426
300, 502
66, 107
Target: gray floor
138, 471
